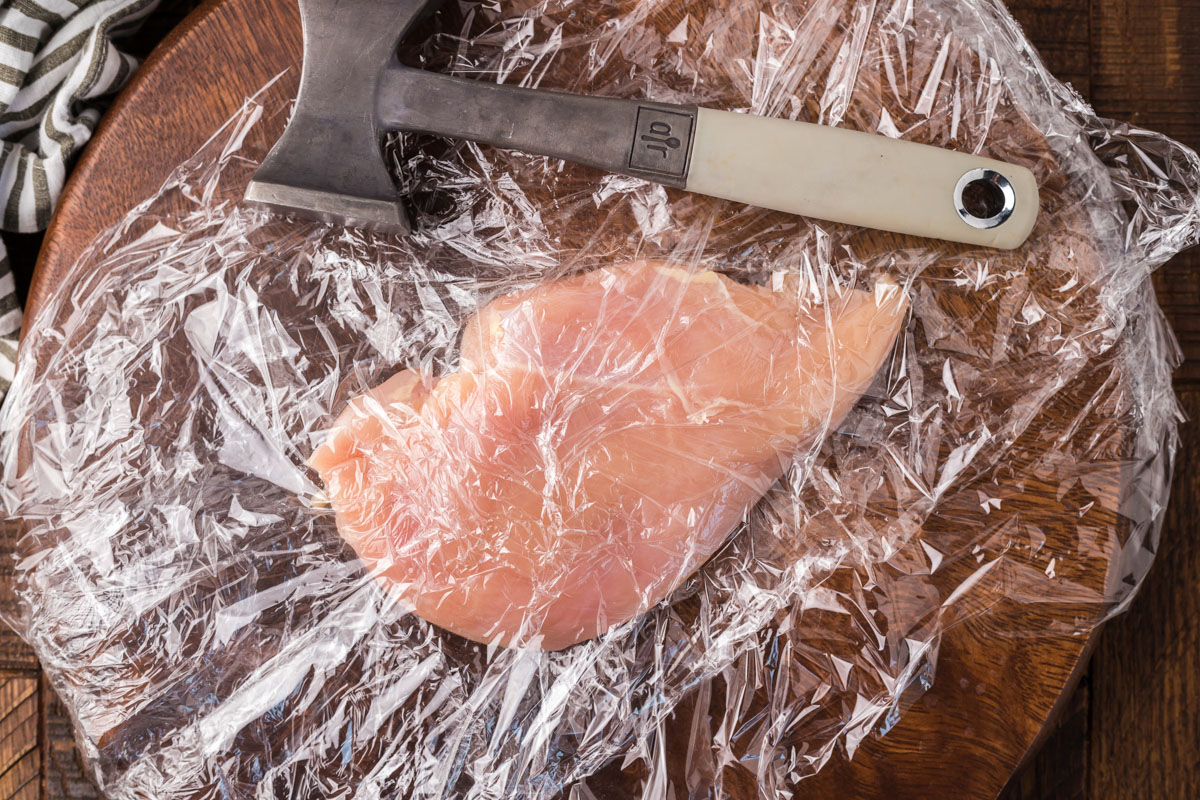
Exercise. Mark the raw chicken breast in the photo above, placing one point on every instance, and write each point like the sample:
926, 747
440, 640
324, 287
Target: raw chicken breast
602, 438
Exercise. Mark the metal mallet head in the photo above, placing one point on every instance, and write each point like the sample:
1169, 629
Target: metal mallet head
329, 165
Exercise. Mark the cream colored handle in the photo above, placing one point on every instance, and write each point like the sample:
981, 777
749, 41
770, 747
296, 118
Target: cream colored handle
857, 178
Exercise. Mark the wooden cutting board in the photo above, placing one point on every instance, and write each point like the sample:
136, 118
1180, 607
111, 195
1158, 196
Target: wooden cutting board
994, 693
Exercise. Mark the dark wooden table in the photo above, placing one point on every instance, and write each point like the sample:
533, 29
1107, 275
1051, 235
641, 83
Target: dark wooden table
1132, 727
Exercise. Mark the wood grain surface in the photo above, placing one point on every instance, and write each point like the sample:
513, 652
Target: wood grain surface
1130, 730
1133, 728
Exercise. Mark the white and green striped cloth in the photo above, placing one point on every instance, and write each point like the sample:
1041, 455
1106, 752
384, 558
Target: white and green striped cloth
57, 60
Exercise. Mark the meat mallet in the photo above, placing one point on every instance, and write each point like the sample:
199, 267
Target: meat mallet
329, 163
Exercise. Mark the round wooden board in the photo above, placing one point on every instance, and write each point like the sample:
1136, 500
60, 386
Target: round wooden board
994, 693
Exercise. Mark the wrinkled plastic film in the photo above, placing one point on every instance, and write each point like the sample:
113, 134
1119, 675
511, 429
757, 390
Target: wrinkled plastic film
633, 444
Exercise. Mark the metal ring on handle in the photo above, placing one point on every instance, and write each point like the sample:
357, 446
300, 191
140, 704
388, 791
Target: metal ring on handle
1008, 196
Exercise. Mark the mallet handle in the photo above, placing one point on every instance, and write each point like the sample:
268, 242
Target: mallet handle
812, 170
599, 132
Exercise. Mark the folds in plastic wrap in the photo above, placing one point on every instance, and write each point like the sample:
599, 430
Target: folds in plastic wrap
510, 429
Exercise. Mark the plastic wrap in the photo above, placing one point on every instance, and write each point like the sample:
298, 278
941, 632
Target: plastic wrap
181, 573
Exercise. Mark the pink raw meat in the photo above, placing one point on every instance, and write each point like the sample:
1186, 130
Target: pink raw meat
603, 436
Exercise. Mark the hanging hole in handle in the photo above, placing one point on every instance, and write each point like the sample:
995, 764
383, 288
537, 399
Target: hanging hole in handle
985, 198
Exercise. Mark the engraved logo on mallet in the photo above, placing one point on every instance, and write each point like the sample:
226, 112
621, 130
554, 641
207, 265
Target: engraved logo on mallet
660, 139
660, 143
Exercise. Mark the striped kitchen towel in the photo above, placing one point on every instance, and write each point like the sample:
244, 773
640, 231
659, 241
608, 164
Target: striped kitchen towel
57, 60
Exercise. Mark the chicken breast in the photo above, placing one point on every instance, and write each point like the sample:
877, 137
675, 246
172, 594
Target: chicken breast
603, 436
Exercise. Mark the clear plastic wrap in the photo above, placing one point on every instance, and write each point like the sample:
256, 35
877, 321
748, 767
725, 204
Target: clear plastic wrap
182, 575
